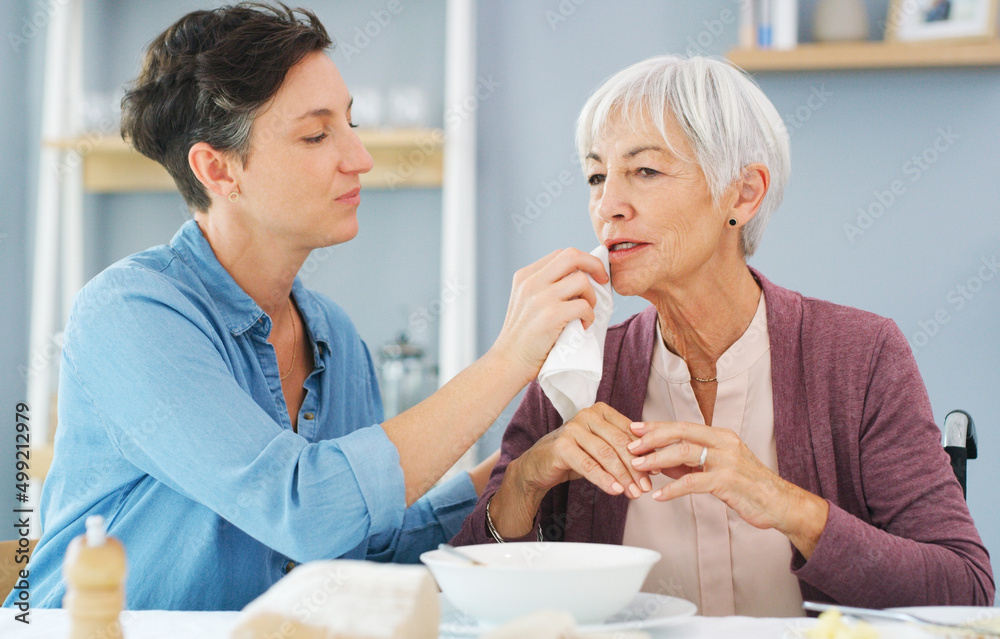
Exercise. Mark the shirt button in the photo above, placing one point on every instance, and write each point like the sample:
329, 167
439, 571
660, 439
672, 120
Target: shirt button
289, 566
309, 416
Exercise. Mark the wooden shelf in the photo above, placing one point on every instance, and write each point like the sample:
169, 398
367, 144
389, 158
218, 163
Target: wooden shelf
403, 158
870, 55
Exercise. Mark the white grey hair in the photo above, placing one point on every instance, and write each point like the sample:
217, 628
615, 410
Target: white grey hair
727, 119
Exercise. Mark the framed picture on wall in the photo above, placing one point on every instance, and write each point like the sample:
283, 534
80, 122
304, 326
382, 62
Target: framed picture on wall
919, 20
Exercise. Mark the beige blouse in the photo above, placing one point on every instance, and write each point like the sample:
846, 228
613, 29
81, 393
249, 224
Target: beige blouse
710, 555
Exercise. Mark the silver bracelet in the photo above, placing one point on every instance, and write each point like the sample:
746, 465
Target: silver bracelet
492, 529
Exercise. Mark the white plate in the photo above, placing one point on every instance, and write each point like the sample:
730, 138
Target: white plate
952, 614
901, 630
645, 611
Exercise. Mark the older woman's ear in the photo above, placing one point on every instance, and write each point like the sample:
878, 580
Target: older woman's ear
751, 188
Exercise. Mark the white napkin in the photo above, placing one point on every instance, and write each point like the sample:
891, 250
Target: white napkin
572, 371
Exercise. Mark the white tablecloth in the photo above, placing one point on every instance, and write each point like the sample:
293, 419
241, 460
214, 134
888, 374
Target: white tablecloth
158, 624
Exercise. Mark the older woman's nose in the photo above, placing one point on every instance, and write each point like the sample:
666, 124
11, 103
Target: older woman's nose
614, 202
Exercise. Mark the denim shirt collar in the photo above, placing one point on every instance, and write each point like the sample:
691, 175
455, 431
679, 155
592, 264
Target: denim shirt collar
238, 310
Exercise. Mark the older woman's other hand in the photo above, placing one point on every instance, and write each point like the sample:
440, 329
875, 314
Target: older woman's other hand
593, 445
546, 296
730, 472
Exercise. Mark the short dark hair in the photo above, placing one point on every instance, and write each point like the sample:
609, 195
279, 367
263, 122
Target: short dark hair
205, 78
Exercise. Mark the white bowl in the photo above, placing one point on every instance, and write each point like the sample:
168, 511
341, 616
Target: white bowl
591, 581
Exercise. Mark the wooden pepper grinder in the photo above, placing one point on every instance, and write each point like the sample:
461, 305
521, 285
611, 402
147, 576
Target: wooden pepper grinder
95, 583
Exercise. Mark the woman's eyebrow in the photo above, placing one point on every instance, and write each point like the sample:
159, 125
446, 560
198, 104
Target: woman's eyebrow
316, 113
642, 149
323, 112
632, 153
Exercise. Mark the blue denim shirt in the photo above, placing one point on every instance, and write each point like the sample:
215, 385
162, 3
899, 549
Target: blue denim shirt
173, 426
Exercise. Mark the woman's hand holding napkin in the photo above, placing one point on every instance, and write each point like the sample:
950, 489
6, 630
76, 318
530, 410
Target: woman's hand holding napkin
572, 371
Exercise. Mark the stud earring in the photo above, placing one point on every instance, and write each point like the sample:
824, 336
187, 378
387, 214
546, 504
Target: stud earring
234, 196
732, 221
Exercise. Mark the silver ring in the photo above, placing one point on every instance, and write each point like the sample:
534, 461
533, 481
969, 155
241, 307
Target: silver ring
704, 457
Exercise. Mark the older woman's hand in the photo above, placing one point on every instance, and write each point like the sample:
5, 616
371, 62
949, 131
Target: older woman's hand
732, 473
593, 445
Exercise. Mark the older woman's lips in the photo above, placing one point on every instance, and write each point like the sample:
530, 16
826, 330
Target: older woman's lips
351, 197
623, 250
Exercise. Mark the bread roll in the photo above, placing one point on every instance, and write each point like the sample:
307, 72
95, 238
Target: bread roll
345, 599
544, 624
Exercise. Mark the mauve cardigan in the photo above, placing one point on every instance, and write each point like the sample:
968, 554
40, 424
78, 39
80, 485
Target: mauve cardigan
852, 424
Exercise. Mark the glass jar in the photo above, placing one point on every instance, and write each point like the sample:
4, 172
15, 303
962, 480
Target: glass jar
405, 378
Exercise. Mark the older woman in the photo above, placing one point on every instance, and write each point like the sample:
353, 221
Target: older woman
772, 447
225, 420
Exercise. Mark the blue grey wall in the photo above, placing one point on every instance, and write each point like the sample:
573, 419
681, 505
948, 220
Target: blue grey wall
854, 134
920, 261
21, 58
14, 302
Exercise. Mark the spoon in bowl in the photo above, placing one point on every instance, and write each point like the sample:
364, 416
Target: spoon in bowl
455, 552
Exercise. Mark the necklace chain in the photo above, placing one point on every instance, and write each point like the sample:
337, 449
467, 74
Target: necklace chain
698, 379
295, 343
